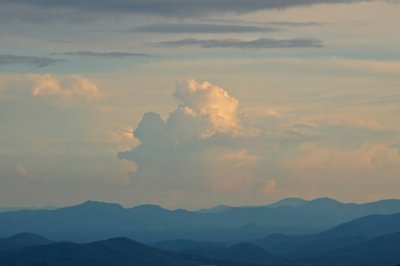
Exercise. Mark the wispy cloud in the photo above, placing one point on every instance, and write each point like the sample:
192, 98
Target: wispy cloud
395, 146
202, 28
105, 54
293, 23
35, 61
24, 175
257, 43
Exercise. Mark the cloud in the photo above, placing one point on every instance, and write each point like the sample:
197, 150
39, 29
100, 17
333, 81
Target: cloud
201, 28
184, 8
293, 23
252, 44
22, 171
396, 147
209, 102
232, 172
268, 186
105, 54
205, 110
352, 136
207, 149
65, 88
22, 174
361, 164
34, 61
201, 144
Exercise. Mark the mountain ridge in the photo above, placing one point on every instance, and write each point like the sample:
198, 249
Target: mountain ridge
93, 220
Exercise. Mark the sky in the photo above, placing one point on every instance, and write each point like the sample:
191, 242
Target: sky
193, 103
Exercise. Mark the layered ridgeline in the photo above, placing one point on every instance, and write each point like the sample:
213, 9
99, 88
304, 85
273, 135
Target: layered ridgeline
371, 240
91, 221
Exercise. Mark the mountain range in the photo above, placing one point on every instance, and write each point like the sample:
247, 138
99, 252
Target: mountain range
92, 221
368, 241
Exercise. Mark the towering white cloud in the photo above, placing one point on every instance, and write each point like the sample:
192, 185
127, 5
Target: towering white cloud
197, 147
207, 102
203, 151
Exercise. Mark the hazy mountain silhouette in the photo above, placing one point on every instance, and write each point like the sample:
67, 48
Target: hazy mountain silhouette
370, 240
238, 254
288, 202
20, 241
219, 208
369, 226
340, 237
383, 250
117, 251
350, 242
122, 251
49, 207
92, 220
185, 245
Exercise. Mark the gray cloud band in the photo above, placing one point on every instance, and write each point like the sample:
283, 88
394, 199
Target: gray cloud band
175, 7
35, 61
202, 28
105, 54
258, 43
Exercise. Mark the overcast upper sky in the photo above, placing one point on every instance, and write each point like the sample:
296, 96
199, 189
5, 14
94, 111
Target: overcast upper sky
193, 103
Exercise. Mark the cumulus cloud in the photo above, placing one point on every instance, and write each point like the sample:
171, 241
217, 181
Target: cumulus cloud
34, 61
257, 43
65, 88
204, 110
206, 149
200, 144
210, 102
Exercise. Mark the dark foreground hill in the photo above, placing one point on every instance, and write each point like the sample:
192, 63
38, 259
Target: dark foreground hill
383, 250
126, 252
117, 251
91, 221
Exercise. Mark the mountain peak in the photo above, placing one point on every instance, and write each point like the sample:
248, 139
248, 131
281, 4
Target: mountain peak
91, 204
146, 208
26, 239
218, 208
292, 202
324, 200
25, 235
